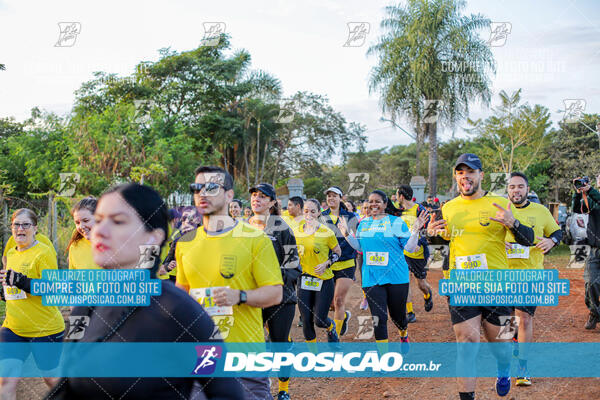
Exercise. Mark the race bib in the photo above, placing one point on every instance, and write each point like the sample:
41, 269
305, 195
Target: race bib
14, 293
477, 261
204, 297
311, 283
518, 251
379, 258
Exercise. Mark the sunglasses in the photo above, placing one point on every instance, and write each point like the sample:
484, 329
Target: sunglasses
210, 188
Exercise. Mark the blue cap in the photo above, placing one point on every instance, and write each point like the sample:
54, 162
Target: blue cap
470, 160
265, 188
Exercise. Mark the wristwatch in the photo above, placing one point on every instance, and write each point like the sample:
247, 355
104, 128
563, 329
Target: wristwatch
516, 224
243, 297
554, 240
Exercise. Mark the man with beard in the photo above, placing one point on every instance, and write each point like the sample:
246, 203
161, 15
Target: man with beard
477, 242
229, 267
548, 234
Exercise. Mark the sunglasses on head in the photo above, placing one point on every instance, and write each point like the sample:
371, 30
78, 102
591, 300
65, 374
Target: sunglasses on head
210, 188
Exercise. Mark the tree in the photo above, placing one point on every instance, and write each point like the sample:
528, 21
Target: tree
431, 60
514, 137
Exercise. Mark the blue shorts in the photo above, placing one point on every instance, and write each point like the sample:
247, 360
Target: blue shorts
46, 359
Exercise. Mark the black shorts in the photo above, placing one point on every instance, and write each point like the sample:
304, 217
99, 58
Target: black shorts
417, 267
344, 273
490, 314
528, 309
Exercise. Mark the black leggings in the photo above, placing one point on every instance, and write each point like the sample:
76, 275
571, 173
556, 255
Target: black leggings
384, 297
314, 307
279, 320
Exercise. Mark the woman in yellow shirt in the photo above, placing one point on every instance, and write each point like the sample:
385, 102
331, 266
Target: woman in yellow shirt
27, 320
79, 247
318, 249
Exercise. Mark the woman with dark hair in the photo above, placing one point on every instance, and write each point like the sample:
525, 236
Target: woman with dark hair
190, 219
129, 217
79, 247
318, 249
235, 209
27, 319
382, 238
278, 318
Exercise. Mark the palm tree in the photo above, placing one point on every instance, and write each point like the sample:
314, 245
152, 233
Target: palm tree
430, 55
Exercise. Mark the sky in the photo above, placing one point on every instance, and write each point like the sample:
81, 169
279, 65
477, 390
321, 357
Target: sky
552, 51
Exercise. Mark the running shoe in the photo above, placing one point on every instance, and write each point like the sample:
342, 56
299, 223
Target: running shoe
523, 381
283, 395
503, 385
332, 336
429, 302
404, 344
591, 322
411, 317
364, 304
347, 316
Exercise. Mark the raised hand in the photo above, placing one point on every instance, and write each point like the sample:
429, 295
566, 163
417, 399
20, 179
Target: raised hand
504, 215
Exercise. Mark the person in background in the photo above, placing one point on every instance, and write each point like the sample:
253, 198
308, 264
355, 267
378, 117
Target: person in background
235, 209
295, 207
247, 214
11, 244
80, 247
190, 220
27, 320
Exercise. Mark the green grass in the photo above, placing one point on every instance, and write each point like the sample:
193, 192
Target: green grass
2, 306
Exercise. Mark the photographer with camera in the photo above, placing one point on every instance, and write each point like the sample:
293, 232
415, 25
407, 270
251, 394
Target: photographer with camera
587, 200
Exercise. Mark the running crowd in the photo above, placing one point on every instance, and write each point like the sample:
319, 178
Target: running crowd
238, 274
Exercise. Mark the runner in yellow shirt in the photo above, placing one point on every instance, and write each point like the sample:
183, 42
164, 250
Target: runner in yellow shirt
316, 286
548, 234
476, 223
79, 247
27, 320
40, 237
295, 211
229, 267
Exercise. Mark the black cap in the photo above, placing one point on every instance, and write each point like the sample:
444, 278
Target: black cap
264, 188
470, 160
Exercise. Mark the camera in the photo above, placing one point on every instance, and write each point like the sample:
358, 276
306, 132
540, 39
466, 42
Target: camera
581, 182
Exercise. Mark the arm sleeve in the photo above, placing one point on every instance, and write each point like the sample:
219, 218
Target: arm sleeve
524, 235
558, 234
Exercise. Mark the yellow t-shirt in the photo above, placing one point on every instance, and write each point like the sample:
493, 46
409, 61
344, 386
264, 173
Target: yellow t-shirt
314, 249
539, 218
291, 221
80, 255
25, 314
409, 216
476, 242
285, 213
242, 258
40, 237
